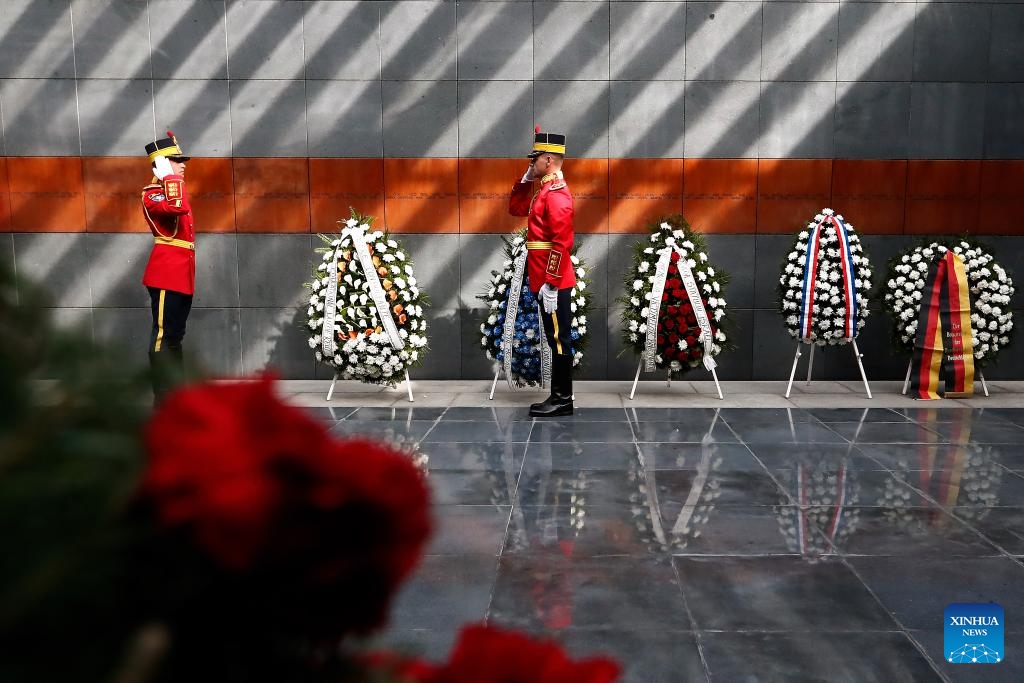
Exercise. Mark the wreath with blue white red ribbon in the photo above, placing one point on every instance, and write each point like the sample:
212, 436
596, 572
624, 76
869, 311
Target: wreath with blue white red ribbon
515, 344
825, 280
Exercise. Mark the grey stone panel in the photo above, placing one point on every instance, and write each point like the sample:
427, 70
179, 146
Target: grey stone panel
771, 347
58, 262
264, 39
127, 330
570, 40
342, 40
273, 268
880, 361
595, 358
721, 119
580, 109
951, 42
420, 118
217, 270
1006, 59
78, 321
495, 40
880, 249
872, 120
191, 41
275, 339
478, 256
445, 341
111, 39
475, 364
495, 118
646, 43
116, 116
436, 263
35, 39
1004, 121
646, 119
799, 41
770, 252
117, 262
620, 359
735, 255
7, 253
418, 40
947, 120
723, 41
213, 340
345, 118
876, 41
737, 363
1009, 252
594, 250
199, 113
618, 261
798, 120
268, 118
40, 117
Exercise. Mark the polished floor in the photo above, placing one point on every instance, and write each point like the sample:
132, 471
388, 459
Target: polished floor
731, 544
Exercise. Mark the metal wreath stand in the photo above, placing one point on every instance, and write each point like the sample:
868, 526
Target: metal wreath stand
668, 380
910, 365
810, 365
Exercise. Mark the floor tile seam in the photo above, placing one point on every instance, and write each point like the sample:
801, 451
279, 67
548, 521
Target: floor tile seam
764, 467
705, 664
977, 532
920, 647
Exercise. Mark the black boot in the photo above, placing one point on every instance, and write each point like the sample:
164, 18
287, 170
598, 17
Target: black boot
167, 370
560, 401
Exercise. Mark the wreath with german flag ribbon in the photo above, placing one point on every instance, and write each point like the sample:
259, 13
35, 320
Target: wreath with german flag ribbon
675, 299
365, 315
990, 292
823, 287
513, 322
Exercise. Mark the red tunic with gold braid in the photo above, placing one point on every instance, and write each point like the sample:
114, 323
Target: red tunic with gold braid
549, 231
172, 263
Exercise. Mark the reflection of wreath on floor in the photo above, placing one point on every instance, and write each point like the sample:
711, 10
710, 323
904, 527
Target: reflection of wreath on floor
665, 262
694, 513
827, 494
365, 314
991, 290
525, 365
826, 269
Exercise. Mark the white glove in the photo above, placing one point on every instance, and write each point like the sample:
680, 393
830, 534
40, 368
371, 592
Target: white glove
162, 167
528, 176
549, 298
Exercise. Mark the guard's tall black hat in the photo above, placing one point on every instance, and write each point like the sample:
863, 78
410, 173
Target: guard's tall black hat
547, 142
166, 147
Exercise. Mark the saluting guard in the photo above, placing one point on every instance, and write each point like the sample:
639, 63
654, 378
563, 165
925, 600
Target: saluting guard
170, 274
549, 243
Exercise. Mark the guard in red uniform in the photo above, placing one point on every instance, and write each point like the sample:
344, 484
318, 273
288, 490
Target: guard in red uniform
549, 241
170, 273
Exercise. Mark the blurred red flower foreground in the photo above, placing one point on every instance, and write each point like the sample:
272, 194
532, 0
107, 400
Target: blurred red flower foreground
313, 534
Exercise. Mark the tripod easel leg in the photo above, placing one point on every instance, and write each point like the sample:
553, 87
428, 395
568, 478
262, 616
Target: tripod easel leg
408, 385
792, 373
718, 386
984, 386
810, 365
636, 379
906, 380
330, 392
860, 365
494, 383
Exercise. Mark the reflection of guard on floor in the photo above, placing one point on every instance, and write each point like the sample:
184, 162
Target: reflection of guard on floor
171, 271
549, 241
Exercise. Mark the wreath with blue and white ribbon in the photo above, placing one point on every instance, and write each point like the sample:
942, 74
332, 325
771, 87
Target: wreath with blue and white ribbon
823, 288
365, 315
674, 301
512, 333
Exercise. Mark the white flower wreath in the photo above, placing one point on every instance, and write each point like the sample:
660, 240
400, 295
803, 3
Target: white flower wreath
829, 308
363, 347
526, 362
991, 290
679, 344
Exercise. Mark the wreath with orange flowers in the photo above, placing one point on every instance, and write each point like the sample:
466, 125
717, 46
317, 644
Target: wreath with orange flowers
379, 330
